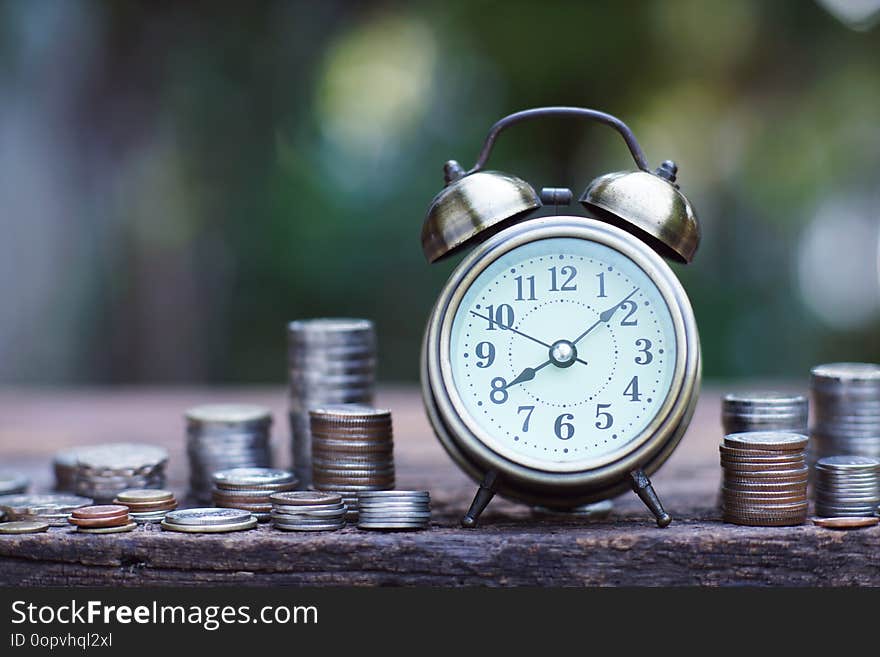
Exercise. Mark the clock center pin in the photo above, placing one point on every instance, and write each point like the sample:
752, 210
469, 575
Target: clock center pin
563, 353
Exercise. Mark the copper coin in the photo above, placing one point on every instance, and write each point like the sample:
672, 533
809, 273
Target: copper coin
100, 511
854, 522
146, 507
101, 522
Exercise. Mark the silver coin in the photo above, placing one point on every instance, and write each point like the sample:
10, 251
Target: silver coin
857, 463
206, 516
296, 510
250, 523
13, 484
391, 525
23, 503
307, 522
236, 415
118, 456
309, 528
244, 477
310, 513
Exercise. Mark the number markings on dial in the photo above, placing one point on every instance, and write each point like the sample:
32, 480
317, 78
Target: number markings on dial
525, 289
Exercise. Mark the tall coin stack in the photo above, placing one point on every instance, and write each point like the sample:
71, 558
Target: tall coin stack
764, 411
352, 451
846, 410
102, 471
249, 489
847, 486
330, 361
222, 437
764, 480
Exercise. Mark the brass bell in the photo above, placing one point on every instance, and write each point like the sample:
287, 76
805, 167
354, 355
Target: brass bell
651, 206
471, 204
647, 204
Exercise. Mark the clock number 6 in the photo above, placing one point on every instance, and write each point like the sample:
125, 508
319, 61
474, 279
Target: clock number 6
564, 430
499, 392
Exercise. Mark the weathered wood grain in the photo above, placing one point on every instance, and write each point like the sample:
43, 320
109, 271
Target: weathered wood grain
512, 547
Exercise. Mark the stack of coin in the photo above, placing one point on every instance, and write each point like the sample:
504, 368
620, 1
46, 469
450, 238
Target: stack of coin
102, 519
146, 505
64, 467
765, 478
846, 410
249, 489
307, 511
13, 484
394, 509
52, 508
102, 471
208, 521
847, 486
330, 361
352, 451
764, 411
222, 437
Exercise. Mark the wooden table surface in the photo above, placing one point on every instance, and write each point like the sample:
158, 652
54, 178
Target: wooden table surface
512, 546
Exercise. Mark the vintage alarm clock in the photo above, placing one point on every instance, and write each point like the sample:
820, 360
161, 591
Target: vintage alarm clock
561, 362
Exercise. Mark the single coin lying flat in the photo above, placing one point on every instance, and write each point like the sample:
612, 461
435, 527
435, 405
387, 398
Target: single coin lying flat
852, 522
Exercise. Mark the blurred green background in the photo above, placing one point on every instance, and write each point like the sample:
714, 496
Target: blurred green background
178, 180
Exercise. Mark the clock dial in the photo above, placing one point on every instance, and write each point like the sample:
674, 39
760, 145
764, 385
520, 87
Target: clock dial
562, 351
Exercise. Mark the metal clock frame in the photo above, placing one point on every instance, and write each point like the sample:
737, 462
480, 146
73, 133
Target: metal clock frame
609, 476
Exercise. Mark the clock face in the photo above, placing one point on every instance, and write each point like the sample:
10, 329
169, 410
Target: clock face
561, 352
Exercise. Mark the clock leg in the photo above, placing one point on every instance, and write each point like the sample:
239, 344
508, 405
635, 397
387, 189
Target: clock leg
643, 488
484, 495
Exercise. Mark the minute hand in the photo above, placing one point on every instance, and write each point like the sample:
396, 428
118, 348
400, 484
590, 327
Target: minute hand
605, 316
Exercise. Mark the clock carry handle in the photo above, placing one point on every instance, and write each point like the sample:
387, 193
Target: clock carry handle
580, 112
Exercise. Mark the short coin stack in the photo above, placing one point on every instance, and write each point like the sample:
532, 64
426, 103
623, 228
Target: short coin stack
352, 450
330, 361
764, 411
847, 486
394, 509
102, 519
13, 484
147, 505
51, 508
846, 410
208, 521
222, 437
765, 478
307, 511
249, 489
104, 470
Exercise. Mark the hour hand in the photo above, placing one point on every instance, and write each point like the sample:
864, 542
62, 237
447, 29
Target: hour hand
527, 374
